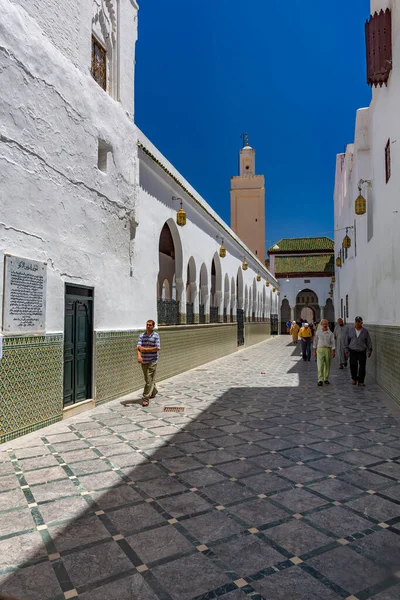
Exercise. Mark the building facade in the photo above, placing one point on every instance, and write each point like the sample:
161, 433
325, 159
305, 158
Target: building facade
368, 272
90, 243
248, 203
304, 268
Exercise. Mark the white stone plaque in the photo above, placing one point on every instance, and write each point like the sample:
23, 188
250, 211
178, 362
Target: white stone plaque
24, 307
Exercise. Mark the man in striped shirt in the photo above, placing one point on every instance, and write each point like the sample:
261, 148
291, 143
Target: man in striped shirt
148, 347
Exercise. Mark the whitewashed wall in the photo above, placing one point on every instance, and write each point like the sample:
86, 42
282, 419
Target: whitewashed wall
56, 205
197, 239
371, 274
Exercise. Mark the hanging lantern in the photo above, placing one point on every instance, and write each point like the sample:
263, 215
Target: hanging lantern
360, 205
331, 286
180, 215
274, 289
331, 294
346, 242
278, 293
338, 262
333, 279
244, 265
222, 251
258, 277
267, 284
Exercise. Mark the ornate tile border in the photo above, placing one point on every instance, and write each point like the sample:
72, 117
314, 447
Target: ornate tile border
31, 383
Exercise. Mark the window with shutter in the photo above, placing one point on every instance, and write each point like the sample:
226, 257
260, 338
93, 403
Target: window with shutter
99, 63
378, 36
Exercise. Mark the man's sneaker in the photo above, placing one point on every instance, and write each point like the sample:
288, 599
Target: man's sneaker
353, 382
327, 382
320, 383
361, 384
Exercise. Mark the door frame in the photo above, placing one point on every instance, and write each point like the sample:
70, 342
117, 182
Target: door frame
91, 370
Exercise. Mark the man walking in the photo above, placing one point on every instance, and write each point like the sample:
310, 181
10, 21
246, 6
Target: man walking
340, 333
324, 350
148, 347
306, 336
359, 345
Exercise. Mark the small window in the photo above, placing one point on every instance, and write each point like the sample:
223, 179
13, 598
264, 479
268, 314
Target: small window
347, 306
388, 166
102, 156
256, 220
256, 252
99, 63
307, 281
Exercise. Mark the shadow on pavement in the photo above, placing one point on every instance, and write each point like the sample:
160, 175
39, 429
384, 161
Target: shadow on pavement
274, 492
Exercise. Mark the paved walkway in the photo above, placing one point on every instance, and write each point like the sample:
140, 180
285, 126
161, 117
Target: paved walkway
265, 487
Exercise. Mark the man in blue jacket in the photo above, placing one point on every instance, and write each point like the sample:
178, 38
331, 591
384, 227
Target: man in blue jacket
358, 345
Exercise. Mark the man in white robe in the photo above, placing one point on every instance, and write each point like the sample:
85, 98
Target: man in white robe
340, 333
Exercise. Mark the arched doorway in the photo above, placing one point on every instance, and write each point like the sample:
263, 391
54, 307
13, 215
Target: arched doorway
167, 307
307, 306
285, 315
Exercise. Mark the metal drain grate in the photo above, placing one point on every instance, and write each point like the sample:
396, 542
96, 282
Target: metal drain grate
174, 409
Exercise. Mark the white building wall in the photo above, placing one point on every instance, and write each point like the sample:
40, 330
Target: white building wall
56, 205
371, 274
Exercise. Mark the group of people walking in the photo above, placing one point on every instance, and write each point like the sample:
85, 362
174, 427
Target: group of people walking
348, 343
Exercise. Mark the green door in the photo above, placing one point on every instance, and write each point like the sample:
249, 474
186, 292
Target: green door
77, 346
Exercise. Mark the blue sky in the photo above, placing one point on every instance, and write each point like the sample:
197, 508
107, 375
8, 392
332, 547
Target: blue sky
291, 74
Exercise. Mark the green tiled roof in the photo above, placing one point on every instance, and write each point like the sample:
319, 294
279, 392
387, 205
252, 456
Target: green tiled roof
301, 244
324, 263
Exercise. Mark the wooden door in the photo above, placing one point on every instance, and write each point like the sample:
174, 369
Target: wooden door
77, 349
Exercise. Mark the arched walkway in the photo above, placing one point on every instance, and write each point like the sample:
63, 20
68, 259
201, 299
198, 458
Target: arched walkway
169, 275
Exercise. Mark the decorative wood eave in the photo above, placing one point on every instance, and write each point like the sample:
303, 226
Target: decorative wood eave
305, 275
378, 38
300, 252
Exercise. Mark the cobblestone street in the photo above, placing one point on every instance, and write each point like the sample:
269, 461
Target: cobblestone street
265, 487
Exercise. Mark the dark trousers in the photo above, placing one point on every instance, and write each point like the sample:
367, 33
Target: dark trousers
357, 365
306, 349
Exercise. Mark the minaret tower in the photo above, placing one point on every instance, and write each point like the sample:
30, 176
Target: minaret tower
248, 202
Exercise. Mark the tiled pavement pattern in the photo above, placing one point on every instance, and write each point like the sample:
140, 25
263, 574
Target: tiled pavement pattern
266, 487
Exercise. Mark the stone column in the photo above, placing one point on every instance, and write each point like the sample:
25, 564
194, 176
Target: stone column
322, 315
205, 296
292, 308
181, 297
219, 300
195, 299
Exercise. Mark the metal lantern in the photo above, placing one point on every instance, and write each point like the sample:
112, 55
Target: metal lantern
258, 277
360, 205
331, 294
338, 262
244, 265
346, 242
331, 286
181, 217
267, 284
278, 293
333, 279
222, 251
274, 289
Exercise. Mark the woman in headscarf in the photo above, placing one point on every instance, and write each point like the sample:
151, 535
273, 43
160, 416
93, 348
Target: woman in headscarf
294, 332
